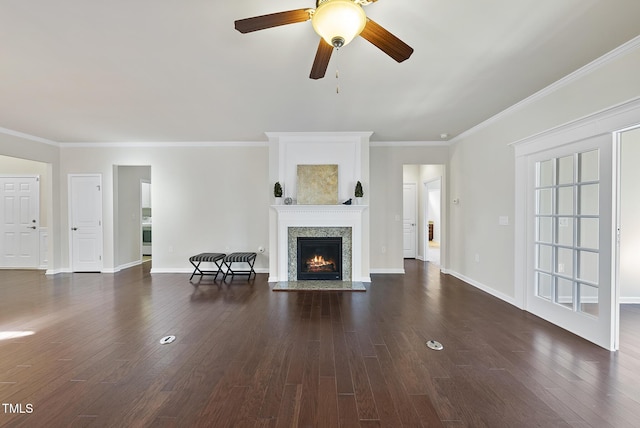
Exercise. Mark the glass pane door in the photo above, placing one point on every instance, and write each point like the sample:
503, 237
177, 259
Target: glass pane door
570, 238
567, 225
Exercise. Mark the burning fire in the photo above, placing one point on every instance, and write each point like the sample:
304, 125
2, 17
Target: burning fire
320, 264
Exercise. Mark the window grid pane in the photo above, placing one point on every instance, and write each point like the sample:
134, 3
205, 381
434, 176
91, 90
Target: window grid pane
567, 228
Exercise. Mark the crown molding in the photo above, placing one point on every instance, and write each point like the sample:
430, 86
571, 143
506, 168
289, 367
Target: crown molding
621, 50
164, 144
28, 137
410, 143
313, 134
617, 118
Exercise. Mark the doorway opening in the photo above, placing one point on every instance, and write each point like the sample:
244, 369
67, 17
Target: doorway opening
133, 218
147, 223
423, 219
628, 229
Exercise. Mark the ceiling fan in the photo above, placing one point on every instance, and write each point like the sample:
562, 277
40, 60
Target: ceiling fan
337, 22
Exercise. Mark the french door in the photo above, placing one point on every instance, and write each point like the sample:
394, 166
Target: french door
569, 240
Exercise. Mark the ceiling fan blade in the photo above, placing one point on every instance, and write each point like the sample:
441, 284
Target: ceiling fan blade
386, 42
323, 55
262, 22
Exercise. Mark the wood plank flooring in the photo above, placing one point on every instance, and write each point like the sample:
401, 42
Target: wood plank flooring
245, 356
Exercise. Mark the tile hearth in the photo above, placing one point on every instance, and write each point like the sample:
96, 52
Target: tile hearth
319, 286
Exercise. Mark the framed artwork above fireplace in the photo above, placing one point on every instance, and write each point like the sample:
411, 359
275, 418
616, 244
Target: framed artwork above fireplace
317, 184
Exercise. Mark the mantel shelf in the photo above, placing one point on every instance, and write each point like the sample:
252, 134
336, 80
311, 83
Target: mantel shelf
302, 208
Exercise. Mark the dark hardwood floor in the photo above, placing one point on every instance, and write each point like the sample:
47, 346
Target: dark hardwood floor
245, 356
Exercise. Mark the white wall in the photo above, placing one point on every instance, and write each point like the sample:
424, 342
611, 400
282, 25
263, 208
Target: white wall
482, 166
209, 198
386, 164
629, 279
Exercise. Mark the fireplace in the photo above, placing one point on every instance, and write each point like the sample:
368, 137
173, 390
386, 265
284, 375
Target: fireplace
319, 258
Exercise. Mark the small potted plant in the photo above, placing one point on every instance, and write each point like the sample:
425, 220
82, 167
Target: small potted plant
277, 192
358, 193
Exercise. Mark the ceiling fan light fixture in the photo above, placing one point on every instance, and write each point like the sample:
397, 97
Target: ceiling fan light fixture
338, 21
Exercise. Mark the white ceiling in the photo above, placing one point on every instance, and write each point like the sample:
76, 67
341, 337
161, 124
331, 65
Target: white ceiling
176, 70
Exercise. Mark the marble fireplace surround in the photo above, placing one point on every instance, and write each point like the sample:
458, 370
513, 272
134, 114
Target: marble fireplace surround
303, 220
319, 232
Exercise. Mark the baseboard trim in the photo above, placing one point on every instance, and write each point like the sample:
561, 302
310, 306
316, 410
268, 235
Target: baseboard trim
57, 271
171, 270
190, 270
387, 270
483, 287
122, 267
629, 300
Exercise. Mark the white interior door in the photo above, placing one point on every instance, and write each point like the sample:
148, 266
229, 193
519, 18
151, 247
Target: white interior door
409, 219
85, 219
570, 281
19, 222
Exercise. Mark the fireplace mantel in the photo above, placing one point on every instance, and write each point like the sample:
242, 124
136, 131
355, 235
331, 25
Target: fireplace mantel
319, 216
320, 209
348, 150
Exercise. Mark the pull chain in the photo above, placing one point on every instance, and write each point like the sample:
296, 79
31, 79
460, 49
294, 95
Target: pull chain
337, 72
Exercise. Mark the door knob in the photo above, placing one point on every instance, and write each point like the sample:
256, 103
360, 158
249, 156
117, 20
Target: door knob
74, 228
31, 227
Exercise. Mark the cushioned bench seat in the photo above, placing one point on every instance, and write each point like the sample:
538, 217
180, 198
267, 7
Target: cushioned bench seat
216, 258
229, 259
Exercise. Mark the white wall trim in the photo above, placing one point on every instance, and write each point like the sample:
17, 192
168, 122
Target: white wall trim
123, 266
387, 271
629, 300
410, 143
57, 271
44, 247
18, 134
306, 136
611, 119
189, 271
605, 59
483, 287
161, 144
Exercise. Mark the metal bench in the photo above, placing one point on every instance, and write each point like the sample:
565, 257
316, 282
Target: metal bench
216, 258
249, 258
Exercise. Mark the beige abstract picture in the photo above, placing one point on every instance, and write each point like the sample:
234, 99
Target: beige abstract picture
318, 184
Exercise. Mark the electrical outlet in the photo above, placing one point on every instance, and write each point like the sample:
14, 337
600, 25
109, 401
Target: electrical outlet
560, 267
477, 258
